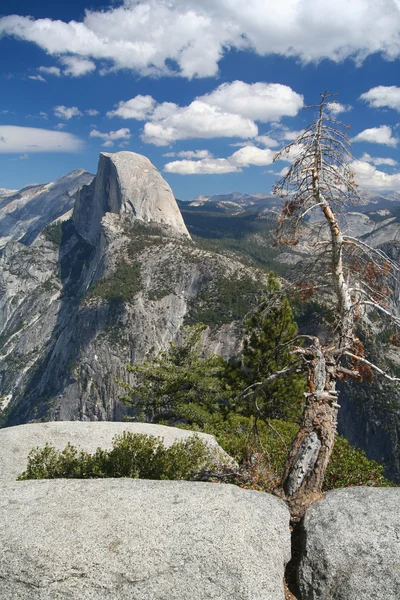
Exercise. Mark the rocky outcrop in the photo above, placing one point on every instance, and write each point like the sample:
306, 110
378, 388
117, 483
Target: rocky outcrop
24, 214
76, 306
126, 184
121, 538
17, 442
351, 546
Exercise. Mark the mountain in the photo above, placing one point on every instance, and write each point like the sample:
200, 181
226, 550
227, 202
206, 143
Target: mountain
24, 214
4, 192
236, 202
104, 288
106, 283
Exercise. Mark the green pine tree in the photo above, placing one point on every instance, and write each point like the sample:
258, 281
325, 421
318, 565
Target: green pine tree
181, 384
268, 330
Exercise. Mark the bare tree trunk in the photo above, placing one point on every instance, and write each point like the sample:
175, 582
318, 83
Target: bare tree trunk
312, 448
320, 178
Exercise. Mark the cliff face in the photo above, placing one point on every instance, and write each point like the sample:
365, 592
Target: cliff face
24, 214
126, 184
103, 289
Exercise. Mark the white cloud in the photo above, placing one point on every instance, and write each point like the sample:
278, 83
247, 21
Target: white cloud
190, 154
76, 67
289, 135
171, 122
378, 161
267, 141
60, 126
92, 112
31, 139
65, 112
50, 71
382, 96
143, 34
228, 111
206, 166
368, 176
337, 108
110, 137
139, 107
250, 155
377, 135
257, 101
283, 172
37, 78
292, 153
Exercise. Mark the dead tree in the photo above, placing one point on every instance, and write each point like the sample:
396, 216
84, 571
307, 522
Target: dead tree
353, 278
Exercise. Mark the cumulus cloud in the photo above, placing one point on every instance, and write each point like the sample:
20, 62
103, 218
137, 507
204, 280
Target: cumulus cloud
148, 36
67, 112
383, 96
368, 176
15, 139
229, 111
267, 141
50, 71
139, 107
337, 108
171, 122
110, 137
257, 101
92, 112
76, 67
206, 166
289, 135
246, 156
251, 155
378, 161
377, 135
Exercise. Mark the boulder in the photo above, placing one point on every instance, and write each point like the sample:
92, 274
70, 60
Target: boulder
351, 546
143, 540
17, 442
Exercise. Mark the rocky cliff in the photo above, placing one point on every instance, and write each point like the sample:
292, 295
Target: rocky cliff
126, 184
24, 214
104, 288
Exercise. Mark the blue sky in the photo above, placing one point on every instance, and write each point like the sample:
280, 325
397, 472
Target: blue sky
207, 90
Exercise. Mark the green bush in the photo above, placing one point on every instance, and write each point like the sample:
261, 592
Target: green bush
265, 445
133, 455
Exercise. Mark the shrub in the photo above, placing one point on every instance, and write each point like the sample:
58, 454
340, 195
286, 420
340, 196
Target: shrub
133, 455
261, 449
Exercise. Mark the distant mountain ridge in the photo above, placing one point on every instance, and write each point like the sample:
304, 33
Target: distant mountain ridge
24, 213
238, 202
